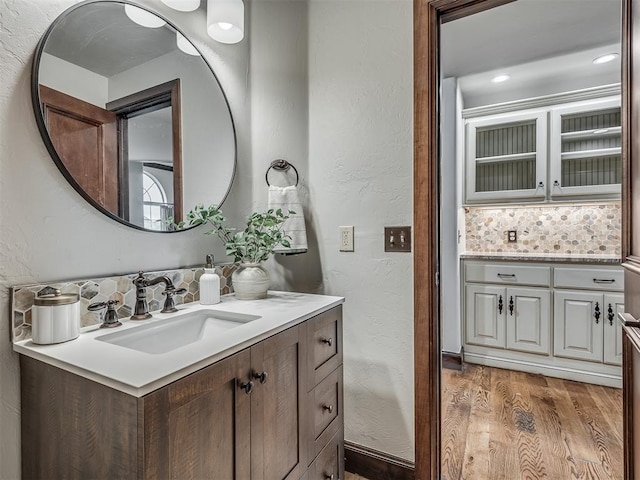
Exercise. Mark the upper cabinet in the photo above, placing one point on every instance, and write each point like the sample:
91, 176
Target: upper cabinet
585, 146
542, 154
507, 156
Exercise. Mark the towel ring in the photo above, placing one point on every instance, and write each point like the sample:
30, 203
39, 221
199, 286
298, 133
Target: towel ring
281, 166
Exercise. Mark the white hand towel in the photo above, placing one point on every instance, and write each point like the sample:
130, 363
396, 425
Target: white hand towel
288, 199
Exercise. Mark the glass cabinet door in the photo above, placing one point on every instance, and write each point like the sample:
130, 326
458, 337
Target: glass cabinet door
585, 150
506, 156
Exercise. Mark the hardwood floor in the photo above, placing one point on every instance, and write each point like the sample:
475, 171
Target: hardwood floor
505, 425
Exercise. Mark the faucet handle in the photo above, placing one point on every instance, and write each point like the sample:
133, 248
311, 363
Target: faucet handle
110, 319
169, 303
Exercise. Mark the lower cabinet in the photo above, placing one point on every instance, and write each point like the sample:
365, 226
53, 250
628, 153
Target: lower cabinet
253, 415
565, 315
514, 318
586, 326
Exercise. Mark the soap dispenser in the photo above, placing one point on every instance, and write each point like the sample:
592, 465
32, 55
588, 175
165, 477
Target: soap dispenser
209, 284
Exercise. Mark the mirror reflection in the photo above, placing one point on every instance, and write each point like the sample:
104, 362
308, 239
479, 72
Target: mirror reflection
132, 114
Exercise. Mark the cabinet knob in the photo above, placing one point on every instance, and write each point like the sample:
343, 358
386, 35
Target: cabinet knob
247, 387
541, 185
596, 313
328, 341
610, 314
261, 376
328, 408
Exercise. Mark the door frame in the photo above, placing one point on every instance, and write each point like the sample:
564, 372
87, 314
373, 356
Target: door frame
428, 15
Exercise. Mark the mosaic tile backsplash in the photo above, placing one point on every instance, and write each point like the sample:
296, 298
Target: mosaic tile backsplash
111, 288
587, 229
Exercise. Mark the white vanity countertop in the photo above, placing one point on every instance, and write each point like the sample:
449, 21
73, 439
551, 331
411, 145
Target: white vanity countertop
137, 373
544, 257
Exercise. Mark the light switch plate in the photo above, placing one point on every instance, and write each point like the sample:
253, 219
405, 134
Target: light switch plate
397, 239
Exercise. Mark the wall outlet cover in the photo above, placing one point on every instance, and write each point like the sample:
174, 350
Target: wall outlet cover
346, 239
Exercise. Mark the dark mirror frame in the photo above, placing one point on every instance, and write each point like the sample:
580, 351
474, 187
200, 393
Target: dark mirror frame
44, 132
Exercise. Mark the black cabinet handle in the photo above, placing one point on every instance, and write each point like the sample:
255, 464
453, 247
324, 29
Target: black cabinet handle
596, 313
610, 314
261, 376
247, 387
507, 275
328, 341
500, 305
328, 408
511, 305
604, 280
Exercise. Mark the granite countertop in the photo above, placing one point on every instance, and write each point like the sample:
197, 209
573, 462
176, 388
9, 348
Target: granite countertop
137, 373
543, 257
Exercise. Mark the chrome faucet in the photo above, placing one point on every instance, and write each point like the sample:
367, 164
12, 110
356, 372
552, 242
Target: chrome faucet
141, 310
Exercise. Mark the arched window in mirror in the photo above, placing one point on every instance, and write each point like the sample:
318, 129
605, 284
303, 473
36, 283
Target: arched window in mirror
157, 211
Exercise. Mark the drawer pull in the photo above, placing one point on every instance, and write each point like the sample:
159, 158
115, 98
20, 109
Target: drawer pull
261, 376
610, 314
507, 275
596, 313
328, 408
328, 341
247, 387
511, 306
500, 305
604, 280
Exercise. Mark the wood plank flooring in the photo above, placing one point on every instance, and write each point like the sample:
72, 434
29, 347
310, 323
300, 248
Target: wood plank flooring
506, 425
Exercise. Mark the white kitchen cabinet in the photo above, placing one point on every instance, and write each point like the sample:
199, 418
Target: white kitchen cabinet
513, 318
585, 148
507, 156
558, 320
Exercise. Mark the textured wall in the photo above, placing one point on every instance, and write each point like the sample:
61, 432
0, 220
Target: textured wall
589, 229
360, 169
47, 232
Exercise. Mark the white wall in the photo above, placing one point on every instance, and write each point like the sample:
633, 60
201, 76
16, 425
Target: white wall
47, 231
360, 170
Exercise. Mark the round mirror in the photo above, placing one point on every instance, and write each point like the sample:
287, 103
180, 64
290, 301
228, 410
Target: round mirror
133, 116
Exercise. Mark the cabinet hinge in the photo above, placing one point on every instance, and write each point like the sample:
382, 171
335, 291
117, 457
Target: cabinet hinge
437, 279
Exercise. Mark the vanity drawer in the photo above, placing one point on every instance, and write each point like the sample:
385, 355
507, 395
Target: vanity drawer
326, 407
591, 278
325, 344
330, 461
508, 274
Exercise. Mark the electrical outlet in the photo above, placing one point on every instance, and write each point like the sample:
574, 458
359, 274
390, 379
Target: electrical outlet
512, 236
346, 239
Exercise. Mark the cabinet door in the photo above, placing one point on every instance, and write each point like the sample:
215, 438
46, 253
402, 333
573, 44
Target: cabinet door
578, 325
198, 427
528, 319
507, 156
614, 304
485, 315
585, 151
278, 421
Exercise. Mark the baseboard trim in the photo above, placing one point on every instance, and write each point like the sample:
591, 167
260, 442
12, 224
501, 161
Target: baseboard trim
376, 465
452, 361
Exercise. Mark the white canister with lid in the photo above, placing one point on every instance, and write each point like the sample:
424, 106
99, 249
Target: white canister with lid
55, 318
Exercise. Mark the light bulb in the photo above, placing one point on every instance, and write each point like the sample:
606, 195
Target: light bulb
143, 17
501, 78
225, 25
609, 57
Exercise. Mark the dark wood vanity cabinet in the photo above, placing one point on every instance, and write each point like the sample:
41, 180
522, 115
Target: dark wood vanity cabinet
257, 414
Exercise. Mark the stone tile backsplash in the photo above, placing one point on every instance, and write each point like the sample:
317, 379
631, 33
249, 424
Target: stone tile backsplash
110, 288
587, 229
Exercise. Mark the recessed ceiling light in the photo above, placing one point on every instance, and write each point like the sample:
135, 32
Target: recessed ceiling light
609, 57
142, 17
501, 78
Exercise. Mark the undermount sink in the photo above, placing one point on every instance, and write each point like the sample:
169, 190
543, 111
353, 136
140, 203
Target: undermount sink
165, 335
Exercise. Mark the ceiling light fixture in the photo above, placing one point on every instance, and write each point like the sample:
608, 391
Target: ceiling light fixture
609, 57
225, 20
142, 17
503, 77
185, 45
182, 5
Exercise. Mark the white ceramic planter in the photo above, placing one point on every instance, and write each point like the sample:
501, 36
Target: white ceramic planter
250, 281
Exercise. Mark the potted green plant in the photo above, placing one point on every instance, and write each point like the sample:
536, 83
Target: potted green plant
249, 247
